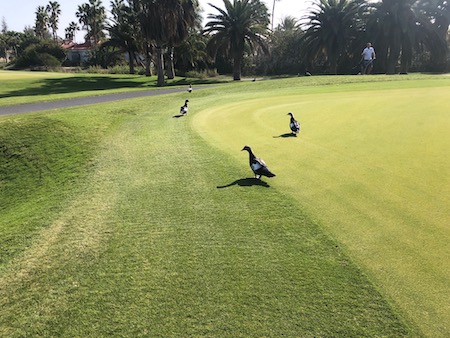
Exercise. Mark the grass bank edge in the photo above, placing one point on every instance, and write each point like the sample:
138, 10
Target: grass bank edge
45, 159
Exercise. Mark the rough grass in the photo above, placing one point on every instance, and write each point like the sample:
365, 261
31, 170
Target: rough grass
42, 159
370, 165
164, 235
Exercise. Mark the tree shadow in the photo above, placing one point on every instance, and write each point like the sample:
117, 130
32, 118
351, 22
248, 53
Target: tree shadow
93, 83
246, 182
286, 135
75, 84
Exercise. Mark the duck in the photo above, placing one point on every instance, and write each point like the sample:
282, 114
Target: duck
189, 89
293, 124
184, 108
258, 166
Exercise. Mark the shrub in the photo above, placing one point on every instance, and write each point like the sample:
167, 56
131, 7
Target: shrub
202, 74
46, 54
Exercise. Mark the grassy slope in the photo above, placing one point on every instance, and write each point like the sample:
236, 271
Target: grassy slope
150, 246
42, 159
371, 165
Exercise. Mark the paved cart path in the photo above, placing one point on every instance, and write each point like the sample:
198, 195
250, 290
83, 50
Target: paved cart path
81, 101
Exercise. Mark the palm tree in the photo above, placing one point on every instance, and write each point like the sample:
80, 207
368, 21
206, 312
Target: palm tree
189, 18
165, 23
71, 29
436, 14
191, 54
402, 27
54, 11
273, 11
10, 41
243, 23
331, 28
285, 48
92, 16
123, 32
82, 14
41, 22
393, 23
4, 25
288, 23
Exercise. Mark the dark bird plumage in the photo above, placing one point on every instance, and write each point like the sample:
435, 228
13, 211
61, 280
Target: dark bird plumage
294, 124
258, 166
190, 89
184, 108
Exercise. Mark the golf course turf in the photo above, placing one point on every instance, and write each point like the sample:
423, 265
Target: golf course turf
134, 223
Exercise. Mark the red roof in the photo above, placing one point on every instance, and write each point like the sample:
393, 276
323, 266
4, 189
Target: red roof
76, 46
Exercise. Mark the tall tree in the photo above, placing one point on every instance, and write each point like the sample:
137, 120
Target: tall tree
41, 22
437, 16
243, 23
189, 18
288, 23
273, 12
124, 30
394, 24
164, 23
71, 30
92, 16
54, 11
4, 28
331, 27
191, 54
285, 48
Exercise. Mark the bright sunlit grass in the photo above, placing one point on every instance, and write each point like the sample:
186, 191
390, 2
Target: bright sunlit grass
371, 165
146, 225
18, 87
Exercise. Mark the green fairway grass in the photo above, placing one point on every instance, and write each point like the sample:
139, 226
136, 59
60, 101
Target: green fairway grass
147, 245
18, 87
371, 165
125, 220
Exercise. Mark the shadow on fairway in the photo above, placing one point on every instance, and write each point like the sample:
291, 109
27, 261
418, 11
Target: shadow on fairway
286, 135
96, 83
178, 116
245, 182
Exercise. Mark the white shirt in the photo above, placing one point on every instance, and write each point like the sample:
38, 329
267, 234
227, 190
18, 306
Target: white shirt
368, 53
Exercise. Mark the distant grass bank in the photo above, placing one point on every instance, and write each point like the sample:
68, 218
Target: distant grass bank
17, 87
148, 226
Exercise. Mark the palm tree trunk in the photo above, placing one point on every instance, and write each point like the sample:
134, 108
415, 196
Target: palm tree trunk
131, 61
160, 66
170, 65
333, 64
438, 54
237, 65
273, 13
406, 57
394, 52
148, 59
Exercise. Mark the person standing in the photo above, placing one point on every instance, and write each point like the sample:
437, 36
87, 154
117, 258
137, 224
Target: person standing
368, 55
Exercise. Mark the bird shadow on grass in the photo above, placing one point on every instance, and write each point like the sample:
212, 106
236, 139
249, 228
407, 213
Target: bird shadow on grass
286, 135
245, 182
178, 116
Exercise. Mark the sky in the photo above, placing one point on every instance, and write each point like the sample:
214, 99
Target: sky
19, 14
